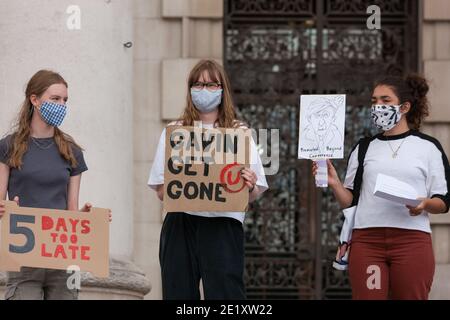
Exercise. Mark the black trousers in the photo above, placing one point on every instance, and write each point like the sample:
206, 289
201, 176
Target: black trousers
194, 248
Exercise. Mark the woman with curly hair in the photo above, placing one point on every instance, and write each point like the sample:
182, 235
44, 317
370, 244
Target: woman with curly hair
391, 253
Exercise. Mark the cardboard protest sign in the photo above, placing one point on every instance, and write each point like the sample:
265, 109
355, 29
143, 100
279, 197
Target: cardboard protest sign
322, 127
54, 239
202, 169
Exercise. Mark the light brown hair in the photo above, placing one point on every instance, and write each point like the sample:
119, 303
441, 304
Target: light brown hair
227, 114
37, 85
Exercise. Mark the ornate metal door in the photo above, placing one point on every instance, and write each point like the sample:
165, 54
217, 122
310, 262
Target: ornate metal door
274, 51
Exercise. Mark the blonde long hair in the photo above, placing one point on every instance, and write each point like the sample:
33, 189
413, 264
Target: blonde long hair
37, 85
227, 114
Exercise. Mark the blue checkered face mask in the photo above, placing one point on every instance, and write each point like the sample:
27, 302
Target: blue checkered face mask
206, 101
53, 113
386, 117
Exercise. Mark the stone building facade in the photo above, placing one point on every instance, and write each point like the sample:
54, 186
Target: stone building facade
121, 98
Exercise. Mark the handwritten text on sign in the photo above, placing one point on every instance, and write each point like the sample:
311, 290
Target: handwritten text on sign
54, 239
203, 169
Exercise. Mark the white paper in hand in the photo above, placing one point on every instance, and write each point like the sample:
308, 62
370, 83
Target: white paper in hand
392, 189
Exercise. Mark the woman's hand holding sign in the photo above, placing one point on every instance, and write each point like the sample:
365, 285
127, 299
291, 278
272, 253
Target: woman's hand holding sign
333, 178
88, 206
2, 206
344, 196
250, 180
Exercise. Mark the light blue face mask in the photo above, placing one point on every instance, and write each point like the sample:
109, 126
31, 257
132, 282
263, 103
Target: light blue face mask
206, 101
53, 113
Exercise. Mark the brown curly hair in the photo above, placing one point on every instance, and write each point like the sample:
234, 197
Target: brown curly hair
413, 89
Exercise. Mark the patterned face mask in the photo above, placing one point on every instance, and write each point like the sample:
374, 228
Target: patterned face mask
206, 101
386, 117
53, 113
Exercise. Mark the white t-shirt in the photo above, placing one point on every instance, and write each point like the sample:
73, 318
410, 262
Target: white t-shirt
157, 176
421, 162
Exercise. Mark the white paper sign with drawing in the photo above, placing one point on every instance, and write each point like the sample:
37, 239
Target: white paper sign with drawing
321, 131
322, 125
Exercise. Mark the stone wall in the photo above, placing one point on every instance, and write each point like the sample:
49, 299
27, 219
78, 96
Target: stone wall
436, 66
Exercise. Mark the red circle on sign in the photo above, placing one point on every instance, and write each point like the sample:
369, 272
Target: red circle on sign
226, 179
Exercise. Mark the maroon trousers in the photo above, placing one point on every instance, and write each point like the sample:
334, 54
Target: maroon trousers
391, 263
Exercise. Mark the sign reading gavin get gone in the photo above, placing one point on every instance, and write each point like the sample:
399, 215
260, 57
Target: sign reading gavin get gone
202, 169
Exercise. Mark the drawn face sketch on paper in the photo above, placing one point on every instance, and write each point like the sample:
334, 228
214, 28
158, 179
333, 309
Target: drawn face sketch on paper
321, 130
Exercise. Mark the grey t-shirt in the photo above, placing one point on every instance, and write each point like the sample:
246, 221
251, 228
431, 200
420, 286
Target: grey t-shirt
43, 180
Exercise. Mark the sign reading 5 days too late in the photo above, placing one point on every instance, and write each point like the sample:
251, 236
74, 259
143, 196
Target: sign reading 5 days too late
54, 239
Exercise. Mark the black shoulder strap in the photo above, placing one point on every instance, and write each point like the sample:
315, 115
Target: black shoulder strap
363, 145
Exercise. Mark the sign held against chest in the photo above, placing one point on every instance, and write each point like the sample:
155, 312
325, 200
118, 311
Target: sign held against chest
202, 169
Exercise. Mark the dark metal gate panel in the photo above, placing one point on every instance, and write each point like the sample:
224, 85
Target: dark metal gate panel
274, 51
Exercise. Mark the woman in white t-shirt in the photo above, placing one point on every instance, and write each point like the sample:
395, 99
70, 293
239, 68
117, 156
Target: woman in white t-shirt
205, 245
391, 252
